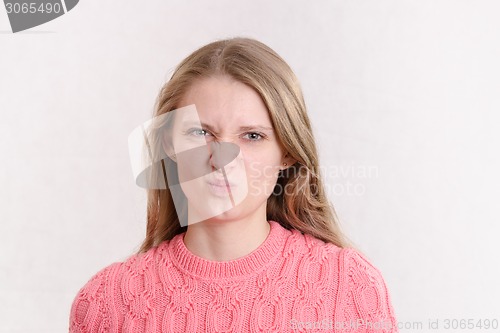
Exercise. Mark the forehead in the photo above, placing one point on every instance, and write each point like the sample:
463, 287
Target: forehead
225, 100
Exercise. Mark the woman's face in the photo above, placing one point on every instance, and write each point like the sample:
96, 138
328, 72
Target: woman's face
228, 156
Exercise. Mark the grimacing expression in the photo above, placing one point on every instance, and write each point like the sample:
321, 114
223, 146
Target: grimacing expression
228, 156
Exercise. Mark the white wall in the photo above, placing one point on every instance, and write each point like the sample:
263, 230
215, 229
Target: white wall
406, 91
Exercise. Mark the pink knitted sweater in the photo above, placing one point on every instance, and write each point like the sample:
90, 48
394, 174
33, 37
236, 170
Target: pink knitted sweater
290, 283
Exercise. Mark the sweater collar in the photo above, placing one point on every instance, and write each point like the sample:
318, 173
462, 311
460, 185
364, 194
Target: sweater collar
251, 263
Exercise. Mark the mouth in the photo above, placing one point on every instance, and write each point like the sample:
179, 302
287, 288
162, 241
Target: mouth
220, 188
220, 183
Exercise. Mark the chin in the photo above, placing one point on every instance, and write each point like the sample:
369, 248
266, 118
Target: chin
230, 215
239, 212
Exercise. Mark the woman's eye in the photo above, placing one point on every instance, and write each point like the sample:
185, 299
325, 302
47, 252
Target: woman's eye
253, 136
198, 132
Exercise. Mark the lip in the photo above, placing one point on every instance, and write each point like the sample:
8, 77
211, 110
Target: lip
219, 183
220, 188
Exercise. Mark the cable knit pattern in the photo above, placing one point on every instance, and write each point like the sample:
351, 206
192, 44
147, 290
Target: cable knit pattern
291, 283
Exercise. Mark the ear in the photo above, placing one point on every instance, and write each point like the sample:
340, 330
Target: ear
287, 161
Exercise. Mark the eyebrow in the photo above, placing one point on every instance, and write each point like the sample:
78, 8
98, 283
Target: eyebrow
242, 128
254, 127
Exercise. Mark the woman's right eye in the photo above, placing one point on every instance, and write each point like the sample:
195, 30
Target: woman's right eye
197, 132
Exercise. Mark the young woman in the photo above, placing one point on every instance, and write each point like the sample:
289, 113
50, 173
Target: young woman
240, 234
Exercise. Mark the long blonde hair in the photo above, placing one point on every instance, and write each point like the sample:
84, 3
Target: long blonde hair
303, 205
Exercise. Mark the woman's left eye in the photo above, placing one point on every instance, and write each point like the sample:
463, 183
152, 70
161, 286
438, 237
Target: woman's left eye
253, 136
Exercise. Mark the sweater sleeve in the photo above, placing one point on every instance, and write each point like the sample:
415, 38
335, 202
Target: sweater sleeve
364, 304
90, 309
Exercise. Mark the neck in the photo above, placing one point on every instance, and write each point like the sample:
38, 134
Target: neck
224, 240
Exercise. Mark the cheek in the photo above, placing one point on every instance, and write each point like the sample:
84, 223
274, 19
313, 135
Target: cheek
262, 172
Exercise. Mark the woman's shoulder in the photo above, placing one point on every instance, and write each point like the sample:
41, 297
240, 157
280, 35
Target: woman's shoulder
91, 305
349, 259
354, 267
138, 263
362, 294
311, 248
89, 308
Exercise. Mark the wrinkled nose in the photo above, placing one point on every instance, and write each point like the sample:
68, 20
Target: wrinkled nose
200, 161
222, 153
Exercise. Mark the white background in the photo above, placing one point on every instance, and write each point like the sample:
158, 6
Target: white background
408, 90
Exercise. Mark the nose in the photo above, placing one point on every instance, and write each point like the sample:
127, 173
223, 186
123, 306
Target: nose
192, 163
222, 153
